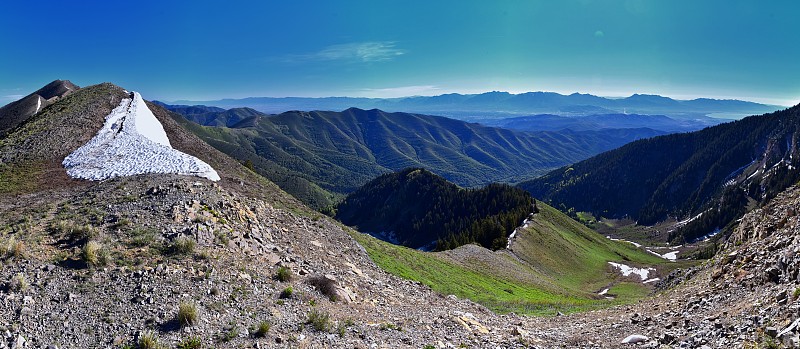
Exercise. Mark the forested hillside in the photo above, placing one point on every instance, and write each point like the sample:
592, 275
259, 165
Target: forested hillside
418, 209
707, 177
321, 156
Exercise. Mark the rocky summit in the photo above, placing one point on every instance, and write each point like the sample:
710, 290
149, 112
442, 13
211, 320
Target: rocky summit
167, 260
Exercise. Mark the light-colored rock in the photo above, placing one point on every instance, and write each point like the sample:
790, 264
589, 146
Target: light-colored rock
635, 338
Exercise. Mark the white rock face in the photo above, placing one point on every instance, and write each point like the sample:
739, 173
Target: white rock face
132, 141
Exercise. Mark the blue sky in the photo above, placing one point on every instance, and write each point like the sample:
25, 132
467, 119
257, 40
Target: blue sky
197, 50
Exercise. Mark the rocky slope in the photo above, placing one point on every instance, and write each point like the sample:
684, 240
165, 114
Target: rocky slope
745, 297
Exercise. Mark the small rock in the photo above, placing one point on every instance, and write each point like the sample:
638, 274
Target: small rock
518, 331
19, 343
771, 331
635, 338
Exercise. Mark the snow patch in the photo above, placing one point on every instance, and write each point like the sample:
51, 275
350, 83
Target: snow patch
132, 141
670, 256
627, 270
689, 220
651, 280
621, 240
146, 123
38, 103
603, 292
513, 234
709, 235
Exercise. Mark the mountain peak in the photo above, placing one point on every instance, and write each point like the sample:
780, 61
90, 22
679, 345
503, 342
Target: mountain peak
57, 88
15, 113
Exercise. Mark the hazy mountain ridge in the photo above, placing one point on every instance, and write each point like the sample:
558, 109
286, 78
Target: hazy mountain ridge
550, 122
503, 104
341, 151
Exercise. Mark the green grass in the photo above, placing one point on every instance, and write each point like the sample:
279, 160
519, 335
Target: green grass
573, 254
19, 178
627, 290
569, 263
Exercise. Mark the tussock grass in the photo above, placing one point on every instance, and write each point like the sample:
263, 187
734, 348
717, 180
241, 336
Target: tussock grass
319, 320
19, 283
149, 340
94, 254
183, 245
262, 329
187, 314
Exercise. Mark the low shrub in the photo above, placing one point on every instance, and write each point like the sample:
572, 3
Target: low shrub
325, 286
262, 329
286, 293
190, 343
284, 274
187, 314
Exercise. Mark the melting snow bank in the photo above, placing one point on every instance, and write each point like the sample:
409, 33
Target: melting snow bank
670, 256
628, 270
132, 141
621, 240
525, 224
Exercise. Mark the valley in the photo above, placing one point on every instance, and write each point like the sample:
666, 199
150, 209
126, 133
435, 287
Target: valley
137, 248
400, 174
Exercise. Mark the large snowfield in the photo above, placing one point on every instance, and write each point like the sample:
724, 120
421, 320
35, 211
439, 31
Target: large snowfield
131, 142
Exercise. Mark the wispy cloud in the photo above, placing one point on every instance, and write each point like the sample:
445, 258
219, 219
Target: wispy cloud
371, 51
11, 98
402, 91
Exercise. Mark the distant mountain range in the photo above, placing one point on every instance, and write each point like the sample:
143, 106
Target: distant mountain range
503, 104
315, 154
550, 122
708, 177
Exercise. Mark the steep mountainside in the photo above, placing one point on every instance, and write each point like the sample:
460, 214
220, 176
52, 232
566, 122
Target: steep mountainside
15, 113
161, 260
708, 175
311, 153
419, 209
504, 104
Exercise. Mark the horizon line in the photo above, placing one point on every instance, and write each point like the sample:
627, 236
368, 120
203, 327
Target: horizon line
771, 102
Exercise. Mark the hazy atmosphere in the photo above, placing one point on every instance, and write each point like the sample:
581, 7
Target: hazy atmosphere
527, 174
200, 50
